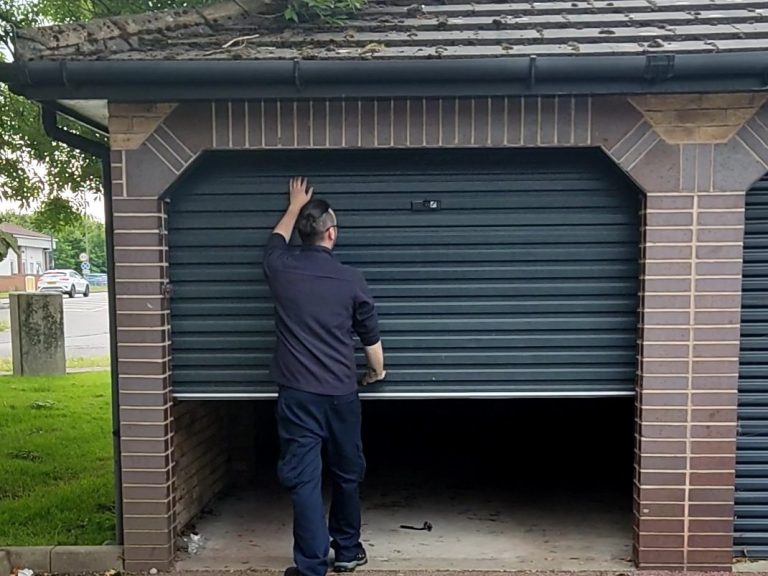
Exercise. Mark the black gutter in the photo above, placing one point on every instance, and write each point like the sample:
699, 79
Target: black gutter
101, 151
151, 80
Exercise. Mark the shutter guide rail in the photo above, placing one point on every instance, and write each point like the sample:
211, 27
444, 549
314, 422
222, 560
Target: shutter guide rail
751, 512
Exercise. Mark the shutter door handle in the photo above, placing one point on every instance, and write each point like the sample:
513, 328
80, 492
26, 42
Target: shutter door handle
425, 205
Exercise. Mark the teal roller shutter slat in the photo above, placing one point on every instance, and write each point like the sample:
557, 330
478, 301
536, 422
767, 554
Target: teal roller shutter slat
525, 281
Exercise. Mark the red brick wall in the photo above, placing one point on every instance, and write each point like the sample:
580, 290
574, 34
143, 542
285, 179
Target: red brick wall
201, 455
15, 283
690, 284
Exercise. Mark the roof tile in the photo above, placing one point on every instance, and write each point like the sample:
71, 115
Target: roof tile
247, 29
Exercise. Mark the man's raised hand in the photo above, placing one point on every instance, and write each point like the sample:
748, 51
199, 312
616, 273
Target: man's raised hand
299, 194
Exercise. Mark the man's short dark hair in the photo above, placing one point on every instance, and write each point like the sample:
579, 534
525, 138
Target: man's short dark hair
314, 221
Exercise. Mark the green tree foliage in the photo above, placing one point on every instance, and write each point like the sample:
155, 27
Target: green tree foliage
331, 11
74, 235
32, 167
87, 237
7, 243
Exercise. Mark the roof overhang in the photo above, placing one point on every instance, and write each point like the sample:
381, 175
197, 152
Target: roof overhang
84, 87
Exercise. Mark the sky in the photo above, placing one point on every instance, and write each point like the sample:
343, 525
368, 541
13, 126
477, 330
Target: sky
94, 208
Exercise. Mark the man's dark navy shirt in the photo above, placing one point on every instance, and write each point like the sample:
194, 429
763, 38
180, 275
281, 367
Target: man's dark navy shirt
320, 304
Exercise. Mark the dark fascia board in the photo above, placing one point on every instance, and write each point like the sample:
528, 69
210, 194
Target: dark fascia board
150, 80
64, 110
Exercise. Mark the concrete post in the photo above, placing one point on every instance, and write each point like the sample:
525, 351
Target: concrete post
37, 334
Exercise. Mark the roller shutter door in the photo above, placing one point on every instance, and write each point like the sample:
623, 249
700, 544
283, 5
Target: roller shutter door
496, 273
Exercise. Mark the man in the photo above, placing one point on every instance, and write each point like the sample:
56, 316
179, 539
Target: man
319, 303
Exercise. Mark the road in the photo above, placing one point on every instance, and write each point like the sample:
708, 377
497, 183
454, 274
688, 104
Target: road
86, 327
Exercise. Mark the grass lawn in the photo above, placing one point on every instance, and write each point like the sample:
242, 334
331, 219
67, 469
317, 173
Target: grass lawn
56, 481
90, 362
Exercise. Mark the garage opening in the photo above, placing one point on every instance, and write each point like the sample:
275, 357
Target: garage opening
507, 288
505, 484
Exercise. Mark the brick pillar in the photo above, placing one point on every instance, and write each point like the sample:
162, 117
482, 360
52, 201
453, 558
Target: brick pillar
687, 385
689, 329
143, 344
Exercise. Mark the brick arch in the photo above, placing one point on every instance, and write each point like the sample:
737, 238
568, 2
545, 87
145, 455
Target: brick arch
168, 147
693, 218
165, 140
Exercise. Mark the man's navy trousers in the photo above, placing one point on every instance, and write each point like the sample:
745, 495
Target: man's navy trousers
310, 425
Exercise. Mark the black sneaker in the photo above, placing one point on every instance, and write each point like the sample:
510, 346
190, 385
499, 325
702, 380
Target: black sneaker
360, 560
292, 571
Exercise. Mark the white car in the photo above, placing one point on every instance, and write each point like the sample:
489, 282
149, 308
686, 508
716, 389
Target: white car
64, 281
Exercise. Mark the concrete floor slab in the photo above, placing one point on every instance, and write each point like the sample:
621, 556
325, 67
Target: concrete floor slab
474, 529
